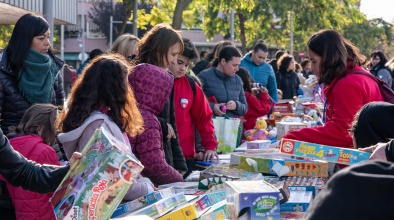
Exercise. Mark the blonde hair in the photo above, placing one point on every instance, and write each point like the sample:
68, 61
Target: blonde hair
125, 45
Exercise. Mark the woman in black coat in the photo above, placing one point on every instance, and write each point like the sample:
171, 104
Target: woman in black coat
286, 79
29, 71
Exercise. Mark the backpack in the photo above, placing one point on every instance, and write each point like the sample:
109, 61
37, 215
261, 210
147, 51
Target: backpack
192, 83
385, 89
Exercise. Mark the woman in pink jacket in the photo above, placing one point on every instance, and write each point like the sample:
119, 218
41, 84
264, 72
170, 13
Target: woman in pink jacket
334, 60
34, 136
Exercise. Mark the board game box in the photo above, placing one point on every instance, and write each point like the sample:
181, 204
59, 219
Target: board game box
97, 183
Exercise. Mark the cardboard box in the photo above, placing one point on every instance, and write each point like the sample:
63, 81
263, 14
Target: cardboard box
255, 199
216, 212
189, 211
292, 215
285, 127
187, 188
143, 201
219, 173
96, 184
216, 197
257, 144
296, 183
298, 202
279, 164
161, 207
322, 152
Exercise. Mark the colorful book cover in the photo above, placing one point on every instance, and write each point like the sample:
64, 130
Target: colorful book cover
97, 183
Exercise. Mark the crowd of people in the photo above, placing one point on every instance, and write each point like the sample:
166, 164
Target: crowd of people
148, 94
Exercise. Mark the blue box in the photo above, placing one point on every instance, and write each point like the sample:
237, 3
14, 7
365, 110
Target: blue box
340, 155
298, 202
143, 201
255, 199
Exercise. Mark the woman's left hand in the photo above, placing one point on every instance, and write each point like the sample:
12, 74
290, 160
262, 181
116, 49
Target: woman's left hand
378, 151
76, 156
231, 105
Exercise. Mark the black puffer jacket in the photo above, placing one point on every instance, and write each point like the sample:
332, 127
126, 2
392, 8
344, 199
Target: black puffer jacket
29, 175
12, 103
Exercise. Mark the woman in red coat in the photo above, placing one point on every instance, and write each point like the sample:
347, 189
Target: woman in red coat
258, 104
333, 58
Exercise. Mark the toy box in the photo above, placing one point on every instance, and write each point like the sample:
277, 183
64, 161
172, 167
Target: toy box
216, 212
298, 202
161, 207
257, 144
189, 211
296, 183
279, 164
187, 188
322, 152
283, 189
97, 183
143, 201
254, 199
285, 127
216, 197
218, 173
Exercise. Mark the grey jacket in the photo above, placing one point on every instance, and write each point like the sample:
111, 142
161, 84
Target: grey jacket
224, 88
384, 75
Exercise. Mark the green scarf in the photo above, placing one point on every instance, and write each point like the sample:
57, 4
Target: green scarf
37, 77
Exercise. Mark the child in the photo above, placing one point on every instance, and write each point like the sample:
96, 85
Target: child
191, 109
152, 86
160, 46
101, 97
258, 104
35, 135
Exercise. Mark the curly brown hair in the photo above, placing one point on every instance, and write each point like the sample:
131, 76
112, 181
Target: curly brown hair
103, 83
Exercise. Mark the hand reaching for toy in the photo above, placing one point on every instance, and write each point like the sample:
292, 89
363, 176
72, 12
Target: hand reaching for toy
210, 155
231, 105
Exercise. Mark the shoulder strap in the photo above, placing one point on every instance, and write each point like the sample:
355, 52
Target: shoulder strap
192, 83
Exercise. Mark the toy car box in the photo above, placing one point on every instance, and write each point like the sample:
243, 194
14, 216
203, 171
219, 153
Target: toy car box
298, 202
254, 199
279, 164
322, 152
143, 201
97, 183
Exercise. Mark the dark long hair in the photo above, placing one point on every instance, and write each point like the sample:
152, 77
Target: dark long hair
382, 57
245, 77
336, 52
26, 28
36, 117
103, 83
154, 45
227, 53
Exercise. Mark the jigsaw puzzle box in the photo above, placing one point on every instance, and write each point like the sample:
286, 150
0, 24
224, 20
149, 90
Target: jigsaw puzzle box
97, 183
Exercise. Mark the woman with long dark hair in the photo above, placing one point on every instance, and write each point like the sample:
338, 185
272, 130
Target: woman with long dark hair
29, 71
335, 62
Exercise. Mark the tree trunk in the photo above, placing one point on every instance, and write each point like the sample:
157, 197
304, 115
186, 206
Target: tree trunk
242, 19
127, 5
177, 19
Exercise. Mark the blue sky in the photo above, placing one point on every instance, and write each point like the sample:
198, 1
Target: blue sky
378, 9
